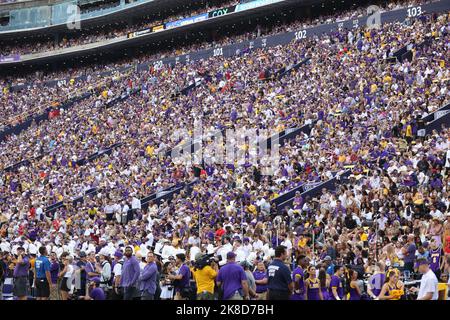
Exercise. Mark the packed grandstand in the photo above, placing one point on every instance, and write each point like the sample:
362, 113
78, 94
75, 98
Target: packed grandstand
324, 143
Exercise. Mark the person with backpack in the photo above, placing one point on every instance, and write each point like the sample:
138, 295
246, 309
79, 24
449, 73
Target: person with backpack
104, 269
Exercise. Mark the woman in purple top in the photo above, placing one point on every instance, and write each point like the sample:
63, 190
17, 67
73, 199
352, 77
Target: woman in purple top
355, 292
312, 285
261, 279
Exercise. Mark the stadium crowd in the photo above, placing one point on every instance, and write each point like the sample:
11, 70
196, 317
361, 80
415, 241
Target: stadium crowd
105, 32
18, 108
386, 222
226, 38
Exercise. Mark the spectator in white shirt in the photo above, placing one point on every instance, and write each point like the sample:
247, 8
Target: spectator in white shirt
125, 208
117, 270
436, 213
382, 220
286, 242
428, 284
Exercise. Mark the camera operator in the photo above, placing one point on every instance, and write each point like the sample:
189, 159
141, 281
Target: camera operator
205, 272
428, 284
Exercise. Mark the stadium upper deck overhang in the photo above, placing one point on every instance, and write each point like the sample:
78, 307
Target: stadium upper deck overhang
117, 44
126, 13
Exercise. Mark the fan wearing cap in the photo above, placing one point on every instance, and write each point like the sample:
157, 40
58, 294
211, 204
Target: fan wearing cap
81, 274
94, 290
104, 269
428, 284
233, 280
116, 274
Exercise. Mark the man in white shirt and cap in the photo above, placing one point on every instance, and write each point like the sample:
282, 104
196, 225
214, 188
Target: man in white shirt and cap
428, 284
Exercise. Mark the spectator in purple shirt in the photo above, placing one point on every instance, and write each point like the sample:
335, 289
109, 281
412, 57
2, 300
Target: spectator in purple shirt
20, 275
130, 275
90, 267
260, 275
183, 277
336, 290
148, 278
95, 292
232, 279
54, 270
409, 252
